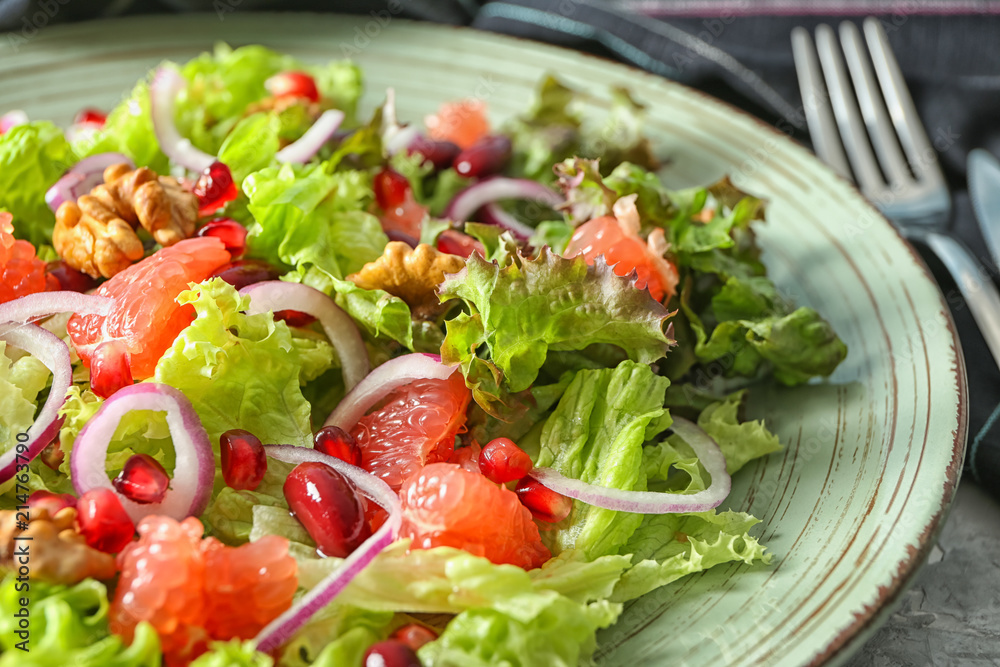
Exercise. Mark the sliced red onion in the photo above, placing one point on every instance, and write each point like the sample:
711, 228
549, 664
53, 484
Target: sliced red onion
474, 197
281, 629
401, 139
167, 85
194, 467
42, 304
12, 119
493, 214
380, 382
53, 353
272, 295
82, 178
651, 502
395, 137
309, 143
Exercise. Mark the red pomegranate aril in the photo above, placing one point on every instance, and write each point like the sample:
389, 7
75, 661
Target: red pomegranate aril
53, 455
215, 188
143, 480
457, 243
441, 154
50, 502
390, 653
244, 461
230, 232
69, 278
294, 318
338, 443
483, 158
90, 116
414, 635
103, 521
245, 272
545, 504
502, 461
328, 506
391, 189
293, 84
109, 368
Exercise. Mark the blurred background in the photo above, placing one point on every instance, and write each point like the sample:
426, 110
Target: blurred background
740, 51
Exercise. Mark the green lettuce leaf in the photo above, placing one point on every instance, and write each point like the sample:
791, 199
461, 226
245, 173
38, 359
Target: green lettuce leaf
306, 218
68, 626
555, 631
740, 441
234, 653
231, 515
128, 130
243, 371
21, 382
433, 189
336, 636
33, 157
520, 311
596, 434
251, 145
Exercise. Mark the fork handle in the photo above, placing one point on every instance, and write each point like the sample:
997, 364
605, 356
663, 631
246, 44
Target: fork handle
975, 284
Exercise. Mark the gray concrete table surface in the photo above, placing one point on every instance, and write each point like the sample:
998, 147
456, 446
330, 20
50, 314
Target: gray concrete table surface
950, 616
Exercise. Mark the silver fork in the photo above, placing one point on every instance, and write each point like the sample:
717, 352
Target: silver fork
901, 176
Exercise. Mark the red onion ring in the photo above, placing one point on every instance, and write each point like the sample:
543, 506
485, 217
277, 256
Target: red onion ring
493, 214
282, 628
309, 143
167, 85
651, 502
51, 351
472, 198
82, 178
194, 469
272, 295
41, 304
380, 382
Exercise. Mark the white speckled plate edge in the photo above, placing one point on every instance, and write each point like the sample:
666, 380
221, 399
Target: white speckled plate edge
851, 507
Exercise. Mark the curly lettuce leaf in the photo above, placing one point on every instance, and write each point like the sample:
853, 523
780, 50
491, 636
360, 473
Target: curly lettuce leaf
128, 130
596, 434
68, 626
231, 515
433, 189
251, 145
520, 311
234, 653
243, 371
21, 382
740, 441
308, 219
33, 157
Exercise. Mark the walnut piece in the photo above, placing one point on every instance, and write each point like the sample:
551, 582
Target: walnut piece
412, 274
56, 552
96, 234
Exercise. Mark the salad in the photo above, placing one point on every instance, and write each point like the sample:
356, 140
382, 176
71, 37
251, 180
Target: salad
285, 383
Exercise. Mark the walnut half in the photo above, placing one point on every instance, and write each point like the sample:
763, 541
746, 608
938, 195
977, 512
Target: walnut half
412, 274
52, 548
96, 233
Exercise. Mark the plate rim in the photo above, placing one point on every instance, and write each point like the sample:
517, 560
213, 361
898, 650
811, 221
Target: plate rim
851, 637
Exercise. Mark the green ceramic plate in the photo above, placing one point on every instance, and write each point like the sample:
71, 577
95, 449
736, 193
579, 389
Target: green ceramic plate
851, 506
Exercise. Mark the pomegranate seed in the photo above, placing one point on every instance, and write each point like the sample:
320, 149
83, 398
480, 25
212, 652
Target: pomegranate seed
502, 461
91, 116
396, 235
338, 443
293, 84
294, 318
545, 504
215, 188
328, 506
51, 502
109, 368
103, 521
483, 158
441, 154
69, 278
414, 635
391, 189
230, 232
390, 653
53, 455
245, 272
244, 460
457, 243
143, 480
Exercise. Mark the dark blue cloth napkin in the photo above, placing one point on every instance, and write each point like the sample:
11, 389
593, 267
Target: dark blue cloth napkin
740, 52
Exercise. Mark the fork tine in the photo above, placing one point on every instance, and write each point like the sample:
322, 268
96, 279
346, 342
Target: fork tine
845, 110
904, 115
880, 130
816, 104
